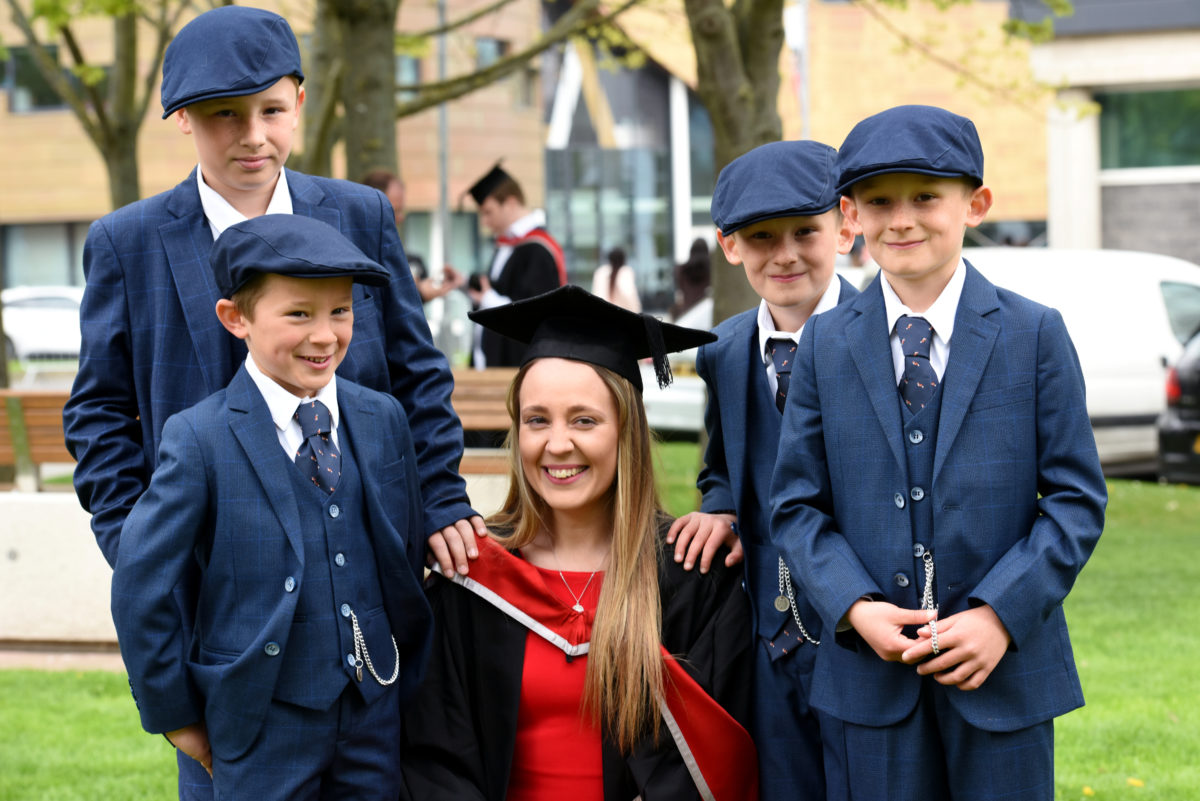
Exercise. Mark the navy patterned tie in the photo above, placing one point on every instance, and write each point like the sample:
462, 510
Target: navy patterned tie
919, 381
318, 457
781, 352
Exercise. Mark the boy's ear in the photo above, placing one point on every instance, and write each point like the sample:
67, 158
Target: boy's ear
729, 247
850, 215
182, 121
232, 318
980, 202
300, 95
846, 235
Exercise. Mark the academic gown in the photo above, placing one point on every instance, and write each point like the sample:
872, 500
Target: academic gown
460, 731
531, 270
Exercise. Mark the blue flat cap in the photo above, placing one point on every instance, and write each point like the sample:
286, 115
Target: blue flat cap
923, 139
288, 244
228, 52
780, 179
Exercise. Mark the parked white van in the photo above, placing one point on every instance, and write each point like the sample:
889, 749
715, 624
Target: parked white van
1154, 300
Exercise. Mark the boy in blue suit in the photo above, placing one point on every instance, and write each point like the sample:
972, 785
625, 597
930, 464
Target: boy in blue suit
777, 215
289, 506
151, 345
937, 488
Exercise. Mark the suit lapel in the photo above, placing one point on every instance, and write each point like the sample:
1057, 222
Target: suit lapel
255, 432
867, 337
187, 241
309, 199
973, 341
731, 364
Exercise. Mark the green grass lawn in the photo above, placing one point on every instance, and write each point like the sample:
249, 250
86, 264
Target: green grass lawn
75, 736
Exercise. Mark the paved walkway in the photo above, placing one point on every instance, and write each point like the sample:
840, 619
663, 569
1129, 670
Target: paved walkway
51, 657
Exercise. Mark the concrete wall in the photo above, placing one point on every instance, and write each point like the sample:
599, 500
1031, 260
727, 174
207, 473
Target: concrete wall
54, 584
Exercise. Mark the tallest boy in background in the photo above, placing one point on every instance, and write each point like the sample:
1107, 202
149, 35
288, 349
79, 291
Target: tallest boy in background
152, 345
937, 488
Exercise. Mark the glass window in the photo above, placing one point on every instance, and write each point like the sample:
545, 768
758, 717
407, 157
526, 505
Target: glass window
1149, 129
1183, 308
40, 255
488, 51
408, 73
27, 89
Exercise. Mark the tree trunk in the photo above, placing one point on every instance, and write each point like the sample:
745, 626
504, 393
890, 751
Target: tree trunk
121, 133
321, 84
367, 34
737, 56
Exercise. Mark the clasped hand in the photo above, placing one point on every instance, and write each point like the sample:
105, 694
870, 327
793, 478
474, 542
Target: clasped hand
970, 643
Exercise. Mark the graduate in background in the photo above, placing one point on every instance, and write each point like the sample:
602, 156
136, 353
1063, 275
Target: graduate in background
577, 660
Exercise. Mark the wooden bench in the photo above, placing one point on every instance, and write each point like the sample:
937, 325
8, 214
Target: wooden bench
480, 400
31, 428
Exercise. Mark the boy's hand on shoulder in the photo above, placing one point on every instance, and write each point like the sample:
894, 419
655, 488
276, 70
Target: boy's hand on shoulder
193, 741
697, 536
970, 645
882, 625
455, 544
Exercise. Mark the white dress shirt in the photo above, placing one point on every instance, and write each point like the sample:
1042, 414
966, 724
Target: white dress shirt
940, 315
282, 405
767, 330
221, 214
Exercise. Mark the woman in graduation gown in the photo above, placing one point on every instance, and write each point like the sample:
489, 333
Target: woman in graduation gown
576, 660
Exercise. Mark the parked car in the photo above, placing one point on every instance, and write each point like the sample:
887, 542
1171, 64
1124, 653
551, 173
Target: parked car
1179, 424
1155, 297
41, 322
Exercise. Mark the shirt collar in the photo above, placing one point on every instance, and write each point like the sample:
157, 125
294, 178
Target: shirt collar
766, 323
522, 226
221, 214
283, 404
940, 314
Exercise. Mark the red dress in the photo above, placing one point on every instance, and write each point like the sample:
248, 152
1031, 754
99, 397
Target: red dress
558, 753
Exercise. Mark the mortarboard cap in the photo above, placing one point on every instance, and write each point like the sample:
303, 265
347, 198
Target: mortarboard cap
288, 244
488, 183
923, 139
572, 323
228, 51
780, 179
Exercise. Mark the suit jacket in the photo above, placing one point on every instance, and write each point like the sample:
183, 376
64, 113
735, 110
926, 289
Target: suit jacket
220, 517
737, 473
1017, 499
152, 344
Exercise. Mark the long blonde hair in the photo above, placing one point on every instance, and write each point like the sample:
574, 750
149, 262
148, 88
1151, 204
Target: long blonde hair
624, 674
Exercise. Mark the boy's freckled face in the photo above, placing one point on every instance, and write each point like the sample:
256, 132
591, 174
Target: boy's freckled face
300, 331
242, 142
913, 224
789, 260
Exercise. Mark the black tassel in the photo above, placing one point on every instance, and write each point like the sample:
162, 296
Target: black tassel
658, 350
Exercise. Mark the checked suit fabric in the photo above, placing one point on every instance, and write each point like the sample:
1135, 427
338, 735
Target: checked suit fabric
919, 381
782, 353
317, 458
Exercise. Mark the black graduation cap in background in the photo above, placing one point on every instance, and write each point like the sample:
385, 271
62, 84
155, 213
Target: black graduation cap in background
487, 184
572, 323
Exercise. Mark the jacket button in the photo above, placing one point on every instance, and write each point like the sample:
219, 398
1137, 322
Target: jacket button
334, 511
901, 580
918, 550
899, 499
917, 493
345, 610
350, 660
271, 649
340, 560
916, 436
290, 584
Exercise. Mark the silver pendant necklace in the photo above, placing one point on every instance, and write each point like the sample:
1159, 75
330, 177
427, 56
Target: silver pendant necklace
578, 605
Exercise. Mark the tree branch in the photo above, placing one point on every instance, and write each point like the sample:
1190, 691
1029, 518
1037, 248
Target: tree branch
962, 72
450, 27
574, 21
52, 73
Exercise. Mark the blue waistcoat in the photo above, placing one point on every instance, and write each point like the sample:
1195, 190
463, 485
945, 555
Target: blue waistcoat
920, 444
340, 577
